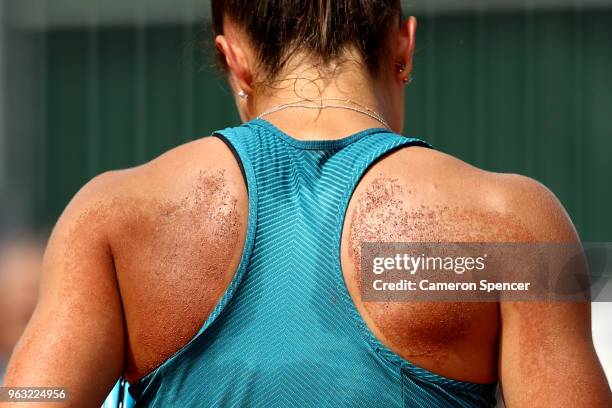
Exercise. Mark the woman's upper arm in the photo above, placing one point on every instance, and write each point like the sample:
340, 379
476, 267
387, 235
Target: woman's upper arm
547, 356
75, 339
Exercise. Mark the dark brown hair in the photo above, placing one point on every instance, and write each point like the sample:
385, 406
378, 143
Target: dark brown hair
324, 29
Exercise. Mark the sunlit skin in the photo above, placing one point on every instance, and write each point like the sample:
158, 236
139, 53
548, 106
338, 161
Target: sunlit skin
140, 256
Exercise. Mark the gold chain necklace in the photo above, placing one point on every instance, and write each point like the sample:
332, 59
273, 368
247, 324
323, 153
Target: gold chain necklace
360, 109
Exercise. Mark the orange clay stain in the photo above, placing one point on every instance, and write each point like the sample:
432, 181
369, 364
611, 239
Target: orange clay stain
382, 213
173, 260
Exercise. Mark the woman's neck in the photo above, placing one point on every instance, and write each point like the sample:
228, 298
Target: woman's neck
350, 88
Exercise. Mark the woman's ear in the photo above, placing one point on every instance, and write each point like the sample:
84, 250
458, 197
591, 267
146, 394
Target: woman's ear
237, 63
406, 46
411, 27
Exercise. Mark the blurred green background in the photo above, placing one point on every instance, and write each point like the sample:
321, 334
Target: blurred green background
511, 86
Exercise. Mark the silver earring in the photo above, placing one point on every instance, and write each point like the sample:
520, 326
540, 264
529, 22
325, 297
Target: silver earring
243, 95
401, 67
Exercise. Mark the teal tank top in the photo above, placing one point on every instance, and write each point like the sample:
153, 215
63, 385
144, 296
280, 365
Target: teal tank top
286, 332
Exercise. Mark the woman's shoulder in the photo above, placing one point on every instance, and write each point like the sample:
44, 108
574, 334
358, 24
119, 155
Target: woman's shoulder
446, 185
180, 175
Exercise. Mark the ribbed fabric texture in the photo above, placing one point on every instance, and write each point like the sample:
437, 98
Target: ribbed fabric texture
286, 333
